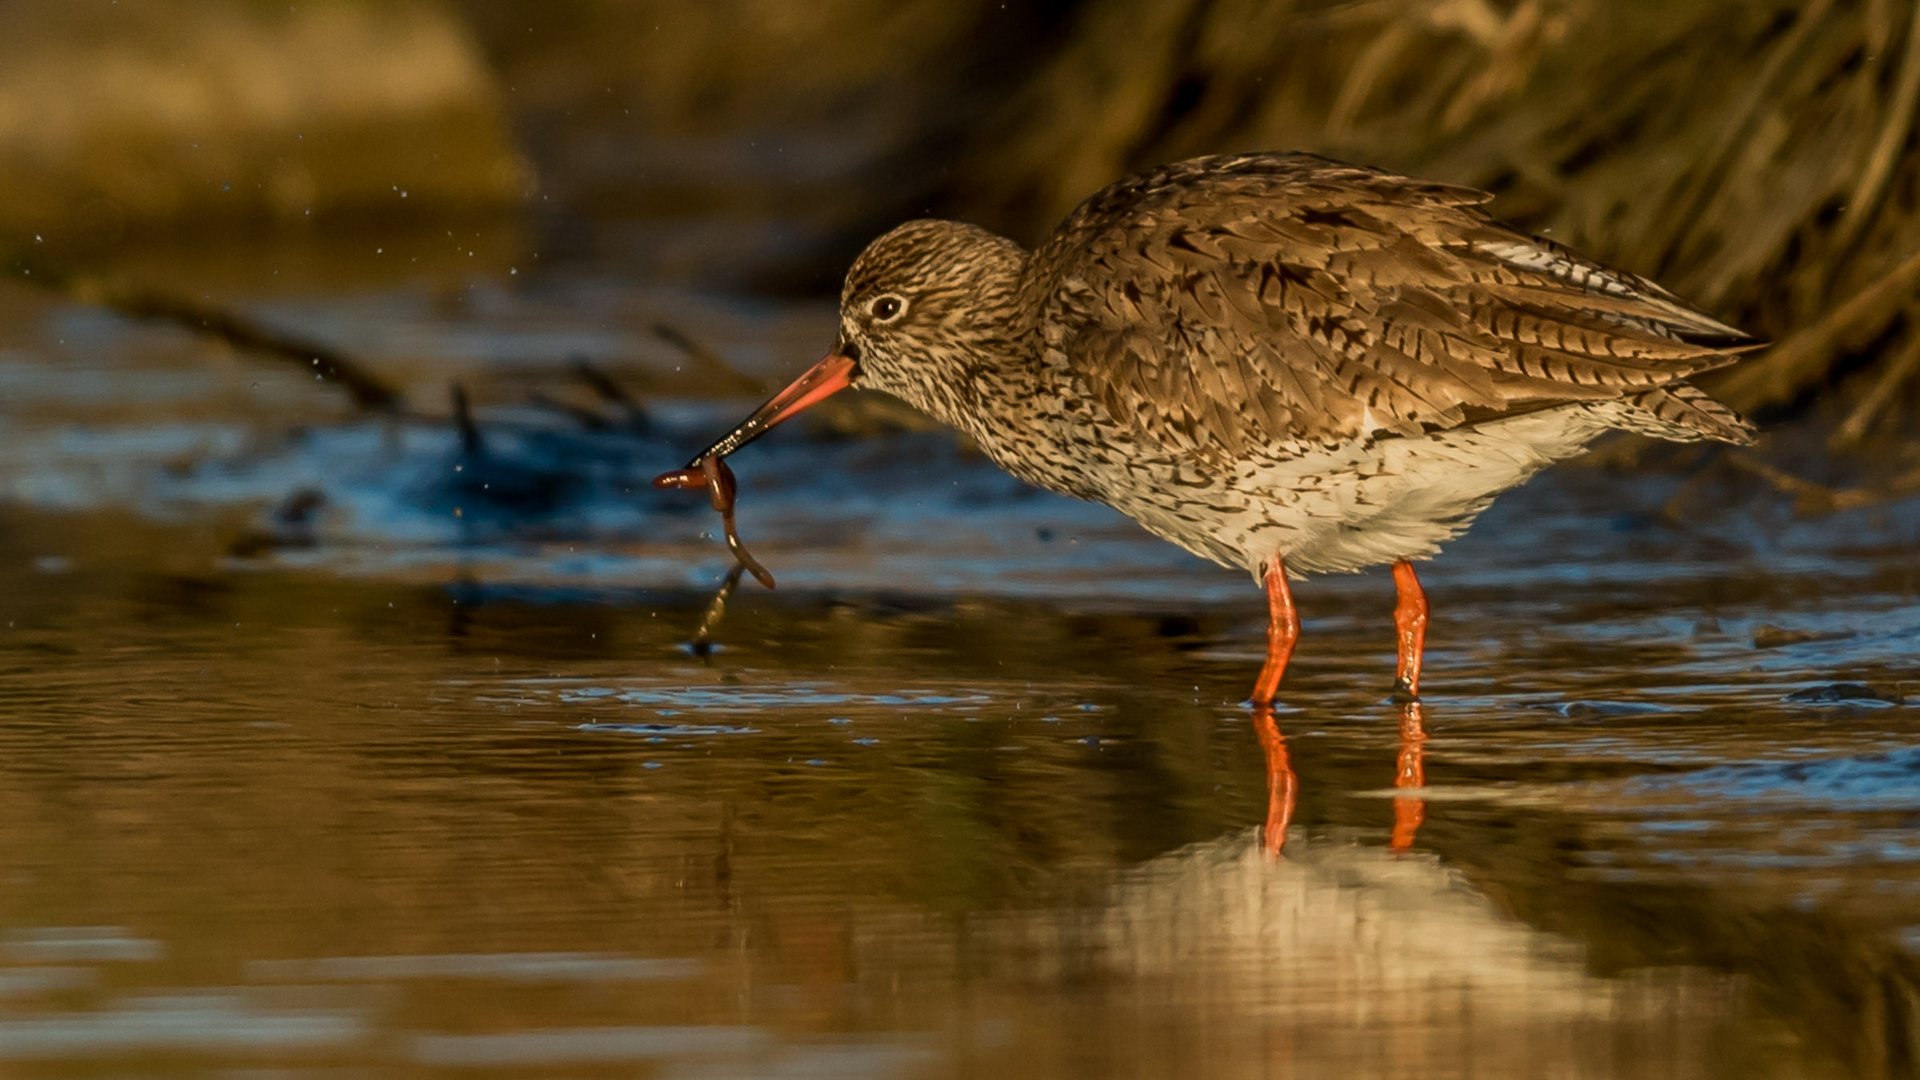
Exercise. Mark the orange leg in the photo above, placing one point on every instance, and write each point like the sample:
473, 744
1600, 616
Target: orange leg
1410, 775
1410, 622
1281, 781
1283, 629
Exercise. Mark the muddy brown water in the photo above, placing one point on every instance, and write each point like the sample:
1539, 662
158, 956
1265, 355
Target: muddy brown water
427, 781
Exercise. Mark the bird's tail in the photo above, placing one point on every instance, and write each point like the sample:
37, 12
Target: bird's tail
1683, 412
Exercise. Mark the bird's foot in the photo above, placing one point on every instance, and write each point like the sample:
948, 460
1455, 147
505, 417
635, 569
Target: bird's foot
1274, 706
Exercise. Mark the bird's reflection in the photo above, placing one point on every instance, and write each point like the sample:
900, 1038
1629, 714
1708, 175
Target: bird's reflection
1283, 784
1410, 775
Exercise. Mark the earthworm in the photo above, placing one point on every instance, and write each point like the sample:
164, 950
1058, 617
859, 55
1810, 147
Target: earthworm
714, 475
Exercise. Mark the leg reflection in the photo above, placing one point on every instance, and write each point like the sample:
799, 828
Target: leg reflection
1409, 809
1281, 782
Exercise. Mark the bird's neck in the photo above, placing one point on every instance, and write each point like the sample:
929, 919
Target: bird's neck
984, 356
1001, 393
985, 374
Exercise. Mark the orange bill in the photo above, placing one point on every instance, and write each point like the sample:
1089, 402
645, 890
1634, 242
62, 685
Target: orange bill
819, 382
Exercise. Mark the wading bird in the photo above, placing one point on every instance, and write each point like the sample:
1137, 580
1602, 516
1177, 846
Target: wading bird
1277, 361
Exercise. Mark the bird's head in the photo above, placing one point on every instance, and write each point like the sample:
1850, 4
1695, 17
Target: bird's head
918, 306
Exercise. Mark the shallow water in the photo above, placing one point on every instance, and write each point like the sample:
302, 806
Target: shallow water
427, 780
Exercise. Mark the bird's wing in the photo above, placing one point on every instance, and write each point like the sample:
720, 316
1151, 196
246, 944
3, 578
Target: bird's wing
1234, 301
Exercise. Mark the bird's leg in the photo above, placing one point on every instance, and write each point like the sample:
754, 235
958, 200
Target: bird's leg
1283, 629
1410, 775
1410, 624
1280, 781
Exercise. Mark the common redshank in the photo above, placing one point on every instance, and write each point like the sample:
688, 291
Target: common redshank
1279, 362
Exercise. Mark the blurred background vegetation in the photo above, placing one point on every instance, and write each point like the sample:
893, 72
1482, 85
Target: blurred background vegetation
1754, 155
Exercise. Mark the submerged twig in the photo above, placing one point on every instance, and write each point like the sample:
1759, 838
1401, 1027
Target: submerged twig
706, 357
472, 443
366, 389
602, 384
589, 419
1811, 496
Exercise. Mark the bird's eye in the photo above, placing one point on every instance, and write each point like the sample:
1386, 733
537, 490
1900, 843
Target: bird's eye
886, 308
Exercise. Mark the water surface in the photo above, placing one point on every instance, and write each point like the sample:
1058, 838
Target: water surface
423, 777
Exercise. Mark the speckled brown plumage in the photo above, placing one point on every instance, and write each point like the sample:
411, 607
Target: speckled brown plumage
1277, 361
1336, 302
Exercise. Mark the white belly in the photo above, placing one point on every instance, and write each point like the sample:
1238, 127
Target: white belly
1365, 504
